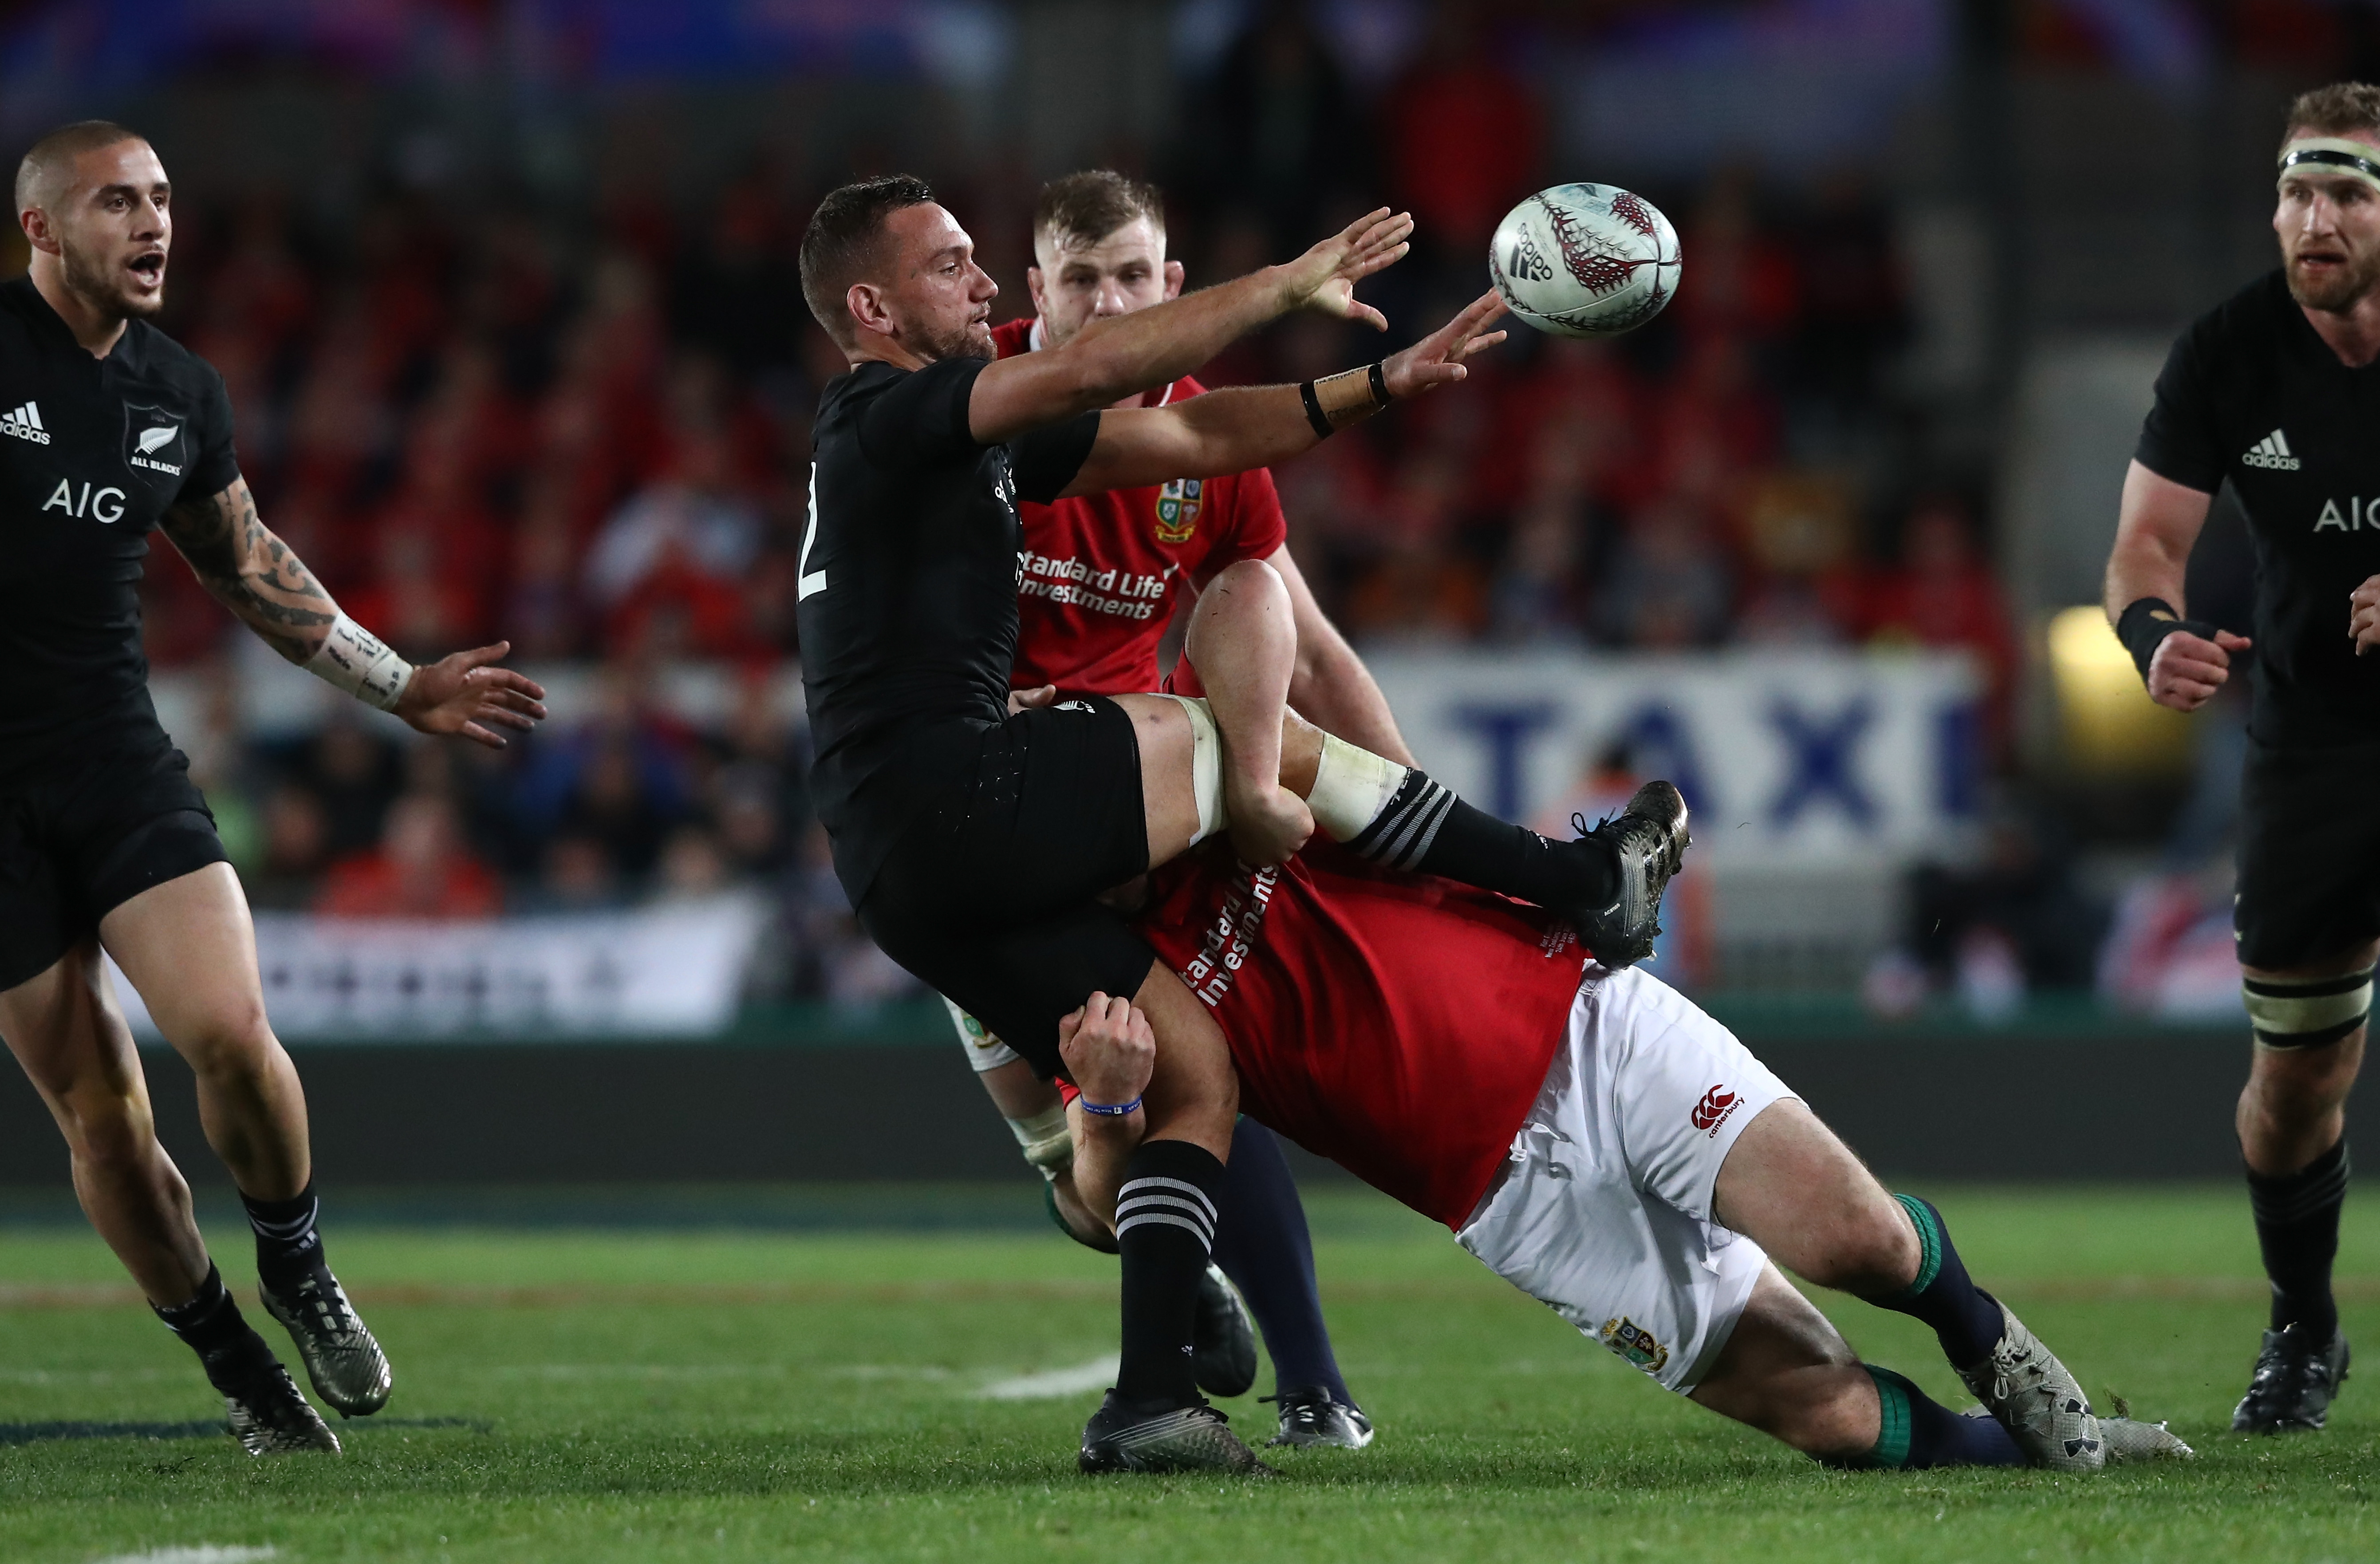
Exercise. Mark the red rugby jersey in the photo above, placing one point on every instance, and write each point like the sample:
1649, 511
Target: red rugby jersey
1401, 1025
1104, 573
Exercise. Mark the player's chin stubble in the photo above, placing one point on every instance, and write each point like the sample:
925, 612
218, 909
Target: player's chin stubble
2342, 290
105, 287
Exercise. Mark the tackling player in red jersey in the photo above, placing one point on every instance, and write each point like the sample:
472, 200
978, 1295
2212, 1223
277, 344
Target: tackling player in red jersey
1600, 1142
1101, 577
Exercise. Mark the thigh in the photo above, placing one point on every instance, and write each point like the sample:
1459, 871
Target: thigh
2309, 884
1169, 789
188, 947
1018, 979
1569, 1226
67, 1030
1681, 1087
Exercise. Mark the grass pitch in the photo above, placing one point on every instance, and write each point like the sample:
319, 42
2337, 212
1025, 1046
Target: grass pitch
633, 1394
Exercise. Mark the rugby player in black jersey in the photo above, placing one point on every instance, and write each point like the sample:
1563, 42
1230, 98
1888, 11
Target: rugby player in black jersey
974, 839
108, 428
2276, 392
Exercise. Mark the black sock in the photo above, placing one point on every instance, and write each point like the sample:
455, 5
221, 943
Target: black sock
1965, 1318
1165, 1225
2297, 1226
1423, 826
1917, 1431
228, 1348
1262, 1244
287, 1245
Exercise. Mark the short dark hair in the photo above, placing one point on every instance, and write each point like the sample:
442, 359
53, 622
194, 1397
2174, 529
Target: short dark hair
846, 238
2341, 106
38, 174
1086, 207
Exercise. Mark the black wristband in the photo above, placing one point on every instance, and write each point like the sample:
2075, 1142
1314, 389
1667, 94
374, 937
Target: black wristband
2147, 621
1322, 430
1379, 384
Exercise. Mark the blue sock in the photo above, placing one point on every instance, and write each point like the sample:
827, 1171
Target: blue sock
1917, 1431
1262, 1244
1965, 1318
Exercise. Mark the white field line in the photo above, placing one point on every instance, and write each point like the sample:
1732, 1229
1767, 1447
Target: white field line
1050, 1383
201, 1555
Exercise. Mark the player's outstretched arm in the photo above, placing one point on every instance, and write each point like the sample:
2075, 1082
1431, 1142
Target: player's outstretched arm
264, 583
2184, 662
1232, 430
1127, 354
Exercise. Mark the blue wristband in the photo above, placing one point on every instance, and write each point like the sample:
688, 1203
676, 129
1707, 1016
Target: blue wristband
1107, 1110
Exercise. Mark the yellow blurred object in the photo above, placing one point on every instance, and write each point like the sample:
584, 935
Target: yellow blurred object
2109, 725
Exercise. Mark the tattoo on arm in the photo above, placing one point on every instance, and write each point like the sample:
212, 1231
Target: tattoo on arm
251, 572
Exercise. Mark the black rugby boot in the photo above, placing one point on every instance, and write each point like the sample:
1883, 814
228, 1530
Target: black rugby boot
1225, 1336
2295, 1381
342, 1357
269, 1417
1123, 1437
1648, 842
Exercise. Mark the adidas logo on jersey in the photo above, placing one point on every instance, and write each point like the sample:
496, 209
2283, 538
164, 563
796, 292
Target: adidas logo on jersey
2272, 451
24, 422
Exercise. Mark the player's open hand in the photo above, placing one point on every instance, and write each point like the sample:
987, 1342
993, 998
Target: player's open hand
1438, 359
1324, 278
2188, 669
2363, 616
465, 694
1108, 1050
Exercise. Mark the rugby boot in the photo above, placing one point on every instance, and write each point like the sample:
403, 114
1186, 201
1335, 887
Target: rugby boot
1122, 1437
1648, 840
2130, 1441
269, 1417
1223, 1337
347, 1367
1313, 1418
2295, 1380
2024, 1385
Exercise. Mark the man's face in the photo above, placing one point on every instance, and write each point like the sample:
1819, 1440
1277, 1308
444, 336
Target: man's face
2329, 228
937, 297
1076, 284
111, 229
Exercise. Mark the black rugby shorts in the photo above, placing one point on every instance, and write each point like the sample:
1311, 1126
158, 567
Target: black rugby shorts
78, 840
2309, 853
989, 897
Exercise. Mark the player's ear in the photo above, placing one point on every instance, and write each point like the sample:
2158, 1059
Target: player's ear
36, 224
1033, 289
1174, 276
869, 309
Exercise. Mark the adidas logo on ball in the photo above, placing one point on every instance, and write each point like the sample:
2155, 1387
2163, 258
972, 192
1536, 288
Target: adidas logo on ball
2272, 451
1584, 260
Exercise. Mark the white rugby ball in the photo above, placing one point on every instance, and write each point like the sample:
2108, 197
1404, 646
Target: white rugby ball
1585, 260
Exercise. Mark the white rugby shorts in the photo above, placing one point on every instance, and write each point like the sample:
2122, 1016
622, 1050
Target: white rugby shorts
984, 1050
1604, 1208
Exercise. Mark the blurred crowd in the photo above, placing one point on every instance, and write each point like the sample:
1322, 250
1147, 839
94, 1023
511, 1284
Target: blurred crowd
587, 431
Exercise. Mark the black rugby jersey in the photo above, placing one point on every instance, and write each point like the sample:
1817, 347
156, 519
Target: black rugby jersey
92, 452
2252, 397
910, 563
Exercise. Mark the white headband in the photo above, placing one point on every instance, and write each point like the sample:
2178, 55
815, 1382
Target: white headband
2333, 155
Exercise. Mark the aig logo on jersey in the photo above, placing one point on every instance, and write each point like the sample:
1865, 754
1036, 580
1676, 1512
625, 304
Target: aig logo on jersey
2271, 452
153, 441
1177, 509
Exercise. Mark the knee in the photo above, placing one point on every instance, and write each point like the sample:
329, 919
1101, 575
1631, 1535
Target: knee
234, 1043
107, 1128
1874, 1250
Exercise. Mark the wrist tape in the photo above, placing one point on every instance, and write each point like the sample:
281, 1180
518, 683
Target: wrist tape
353, 659
2147, 621
1049, 1145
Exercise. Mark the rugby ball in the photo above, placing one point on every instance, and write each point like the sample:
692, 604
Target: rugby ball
1585, 260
